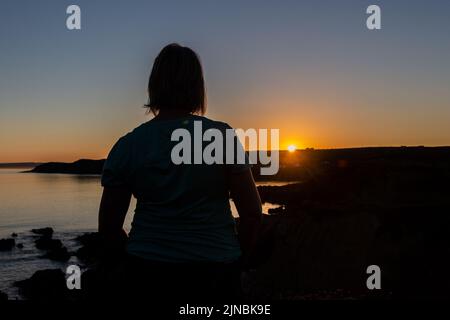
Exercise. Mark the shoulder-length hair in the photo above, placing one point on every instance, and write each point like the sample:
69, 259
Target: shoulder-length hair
176, 81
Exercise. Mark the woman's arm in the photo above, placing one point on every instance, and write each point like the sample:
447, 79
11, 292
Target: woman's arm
113, 209
248, 204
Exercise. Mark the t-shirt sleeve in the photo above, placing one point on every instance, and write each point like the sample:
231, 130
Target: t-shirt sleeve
117, 166
238, 161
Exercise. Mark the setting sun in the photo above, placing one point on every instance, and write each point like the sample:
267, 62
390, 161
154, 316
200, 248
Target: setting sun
291, 148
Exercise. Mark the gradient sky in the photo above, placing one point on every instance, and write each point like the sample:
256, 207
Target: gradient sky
309, 68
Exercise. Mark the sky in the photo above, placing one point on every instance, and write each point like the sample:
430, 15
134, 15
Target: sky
309, 68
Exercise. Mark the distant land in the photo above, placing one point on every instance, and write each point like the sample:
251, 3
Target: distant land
297, 165
82, 166
19, 164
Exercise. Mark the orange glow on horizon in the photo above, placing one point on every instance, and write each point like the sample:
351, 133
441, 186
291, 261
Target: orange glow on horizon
31, 151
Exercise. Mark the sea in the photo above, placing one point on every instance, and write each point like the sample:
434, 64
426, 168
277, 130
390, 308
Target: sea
67, 203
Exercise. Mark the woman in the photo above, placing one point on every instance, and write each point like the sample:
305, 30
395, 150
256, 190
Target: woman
183, 243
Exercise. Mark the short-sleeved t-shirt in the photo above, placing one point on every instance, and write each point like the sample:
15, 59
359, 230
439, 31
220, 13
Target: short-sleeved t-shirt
183, 211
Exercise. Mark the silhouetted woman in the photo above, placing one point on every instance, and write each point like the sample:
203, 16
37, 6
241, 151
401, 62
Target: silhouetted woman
183, 242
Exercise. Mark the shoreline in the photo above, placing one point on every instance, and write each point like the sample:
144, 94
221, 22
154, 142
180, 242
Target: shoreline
351, 211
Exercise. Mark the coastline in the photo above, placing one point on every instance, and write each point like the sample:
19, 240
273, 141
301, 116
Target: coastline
352, 209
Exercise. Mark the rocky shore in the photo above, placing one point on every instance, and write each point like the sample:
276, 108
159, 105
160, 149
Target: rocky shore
320, 253
350, 210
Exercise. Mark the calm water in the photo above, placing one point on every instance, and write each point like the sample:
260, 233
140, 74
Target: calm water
67, 203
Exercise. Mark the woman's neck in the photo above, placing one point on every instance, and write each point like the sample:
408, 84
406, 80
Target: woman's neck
167, 114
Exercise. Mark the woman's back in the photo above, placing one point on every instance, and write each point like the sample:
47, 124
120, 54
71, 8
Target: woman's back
183, 212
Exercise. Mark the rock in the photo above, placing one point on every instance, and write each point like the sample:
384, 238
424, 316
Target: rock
19, 245
45, 243
54, 247
44, 285
91, 247
7, 244
94, 250
57, 254
277, 210
90, 238
3, 296
14, 235
46, 232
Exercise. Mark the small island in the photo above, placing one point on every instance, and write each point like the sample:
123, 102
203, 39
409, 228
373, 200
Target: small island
82, 166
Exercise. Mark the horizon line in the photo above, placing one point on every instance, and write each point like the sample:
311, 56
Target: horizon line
279, 150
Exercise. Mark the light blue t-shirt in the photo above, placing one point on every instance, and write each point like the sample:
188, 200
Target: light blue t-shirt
183, 211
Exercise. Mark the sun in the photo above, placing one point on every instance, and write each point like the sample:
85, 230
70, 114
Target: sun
291, 148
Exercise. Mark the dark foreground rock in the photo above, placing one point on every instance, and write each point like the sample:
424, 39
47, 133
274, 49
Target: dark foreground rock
3, 296
45, 243
59, 254
45, 232
91, 249
50, 285
7, 244
44, 285
53, 247
351, 213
